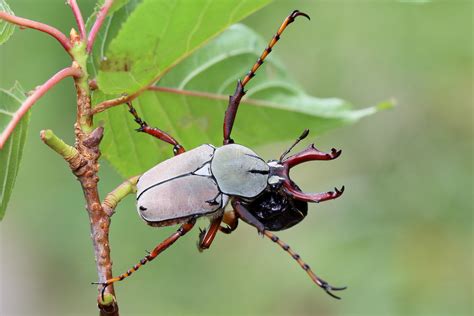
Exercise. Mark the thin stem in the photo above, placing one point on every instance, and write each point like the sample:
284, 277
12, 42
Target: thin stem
79, 20
190, 93
54, 32
98, 23
58, 145
31, 100
113, 198
113, 102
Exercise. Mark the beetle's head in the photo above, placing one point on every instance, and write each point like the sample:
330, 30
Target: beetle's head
279, 173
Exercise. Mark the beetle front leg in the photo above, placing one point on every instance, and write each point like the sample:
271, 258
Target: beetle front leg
246, 216
156, 132
234, 100
183, 229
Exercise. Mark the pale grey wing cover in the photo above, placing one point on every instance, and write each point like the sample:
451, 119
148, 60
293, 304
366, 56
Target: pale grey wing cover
179, 187
239, 171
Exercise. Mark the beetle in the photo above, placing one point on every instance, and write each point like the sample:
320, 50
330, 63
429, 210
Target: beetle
202, 181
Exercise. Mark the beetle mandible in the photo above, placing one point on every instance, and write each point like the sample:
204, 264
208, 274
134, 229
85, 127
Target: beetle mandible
207, 178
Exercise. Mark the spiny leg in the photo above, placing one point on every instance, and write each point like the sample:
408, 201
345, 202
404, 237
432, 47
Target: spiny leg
206, 237
234, 100
156, 132
183, 229
320, 282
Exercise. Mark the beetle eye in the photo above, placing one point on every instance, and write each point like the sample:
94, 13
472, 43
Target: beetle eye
142, 208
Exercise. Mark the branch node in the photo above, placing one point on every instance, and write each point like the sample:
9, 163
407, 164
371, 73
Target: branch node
94, 138
74, 36
107, 305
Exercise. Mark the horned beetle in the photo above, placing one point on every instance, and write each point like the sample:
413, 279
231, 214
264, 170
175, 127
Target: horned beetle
260, 193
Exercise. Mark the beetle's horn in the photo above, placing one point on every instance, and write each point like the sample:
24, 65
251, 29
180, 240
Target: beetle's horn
312, 197
310, 153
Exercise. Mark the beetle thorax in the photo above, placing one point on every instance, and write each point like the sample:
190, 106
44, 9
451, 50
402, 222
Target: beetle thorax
239, 171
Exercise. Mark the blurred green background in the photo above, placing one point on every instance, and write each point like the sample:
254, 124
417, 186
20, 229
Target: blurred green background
401, 237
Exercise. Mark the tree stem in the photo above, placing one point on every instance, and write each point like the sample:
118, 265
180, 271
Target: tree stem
101, 15
35, 96
79, 19
22, 22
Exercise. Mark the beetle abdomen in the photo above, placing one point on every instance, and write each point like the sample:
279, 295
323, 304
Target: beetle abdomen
179, 188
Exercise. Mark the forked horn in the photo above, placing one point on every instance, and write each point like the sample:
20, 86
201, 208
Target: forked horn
312, 197
308, 154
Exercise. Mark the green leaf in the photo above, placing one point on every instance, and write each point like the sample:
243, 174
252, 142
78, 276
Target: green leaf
10, 155
118, 14
6, 29
275, 107
158, 34
117, 4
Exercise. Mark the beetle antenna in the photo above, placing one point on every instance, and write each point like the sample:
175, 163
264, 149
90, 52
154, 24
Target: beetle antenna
300, 138
320, 282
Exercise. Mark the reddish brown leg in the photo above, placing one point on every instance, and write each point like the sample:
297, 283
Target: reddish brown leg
234, 100
183, 229
156, 132
320, 282
206, 237
232, 221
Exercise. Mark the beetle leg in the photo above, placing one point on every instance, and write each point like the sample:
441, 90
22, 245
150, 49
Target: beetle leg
232, 221
246, 216
183, 229
206, 237
234, 100
320, 282
156, 132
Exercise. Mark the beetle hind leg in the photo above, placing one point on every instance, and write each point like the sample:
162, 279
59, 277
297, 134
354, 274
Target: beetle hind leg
183, 229
155, 132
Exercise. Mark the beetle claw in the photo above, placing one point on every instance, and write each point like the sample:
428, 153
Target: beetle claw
328, 288
339, 191
202, 233
104, 286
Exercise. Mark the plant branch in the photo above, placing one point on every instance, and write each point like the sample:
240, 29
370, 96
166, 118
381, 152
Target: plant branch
79, 19
35, 96
114, 102
98, 23
113, 198
54, 32
126, 98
